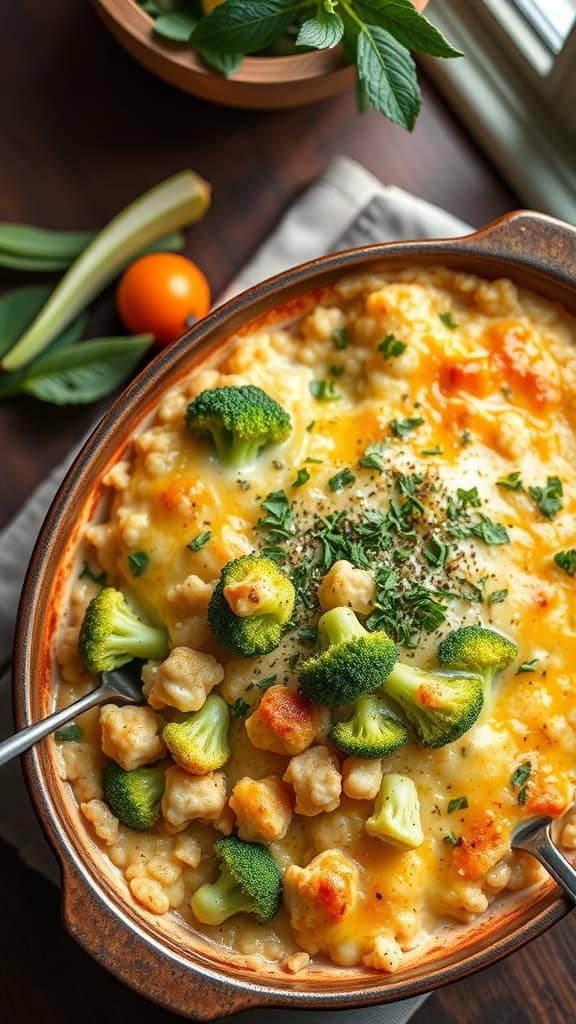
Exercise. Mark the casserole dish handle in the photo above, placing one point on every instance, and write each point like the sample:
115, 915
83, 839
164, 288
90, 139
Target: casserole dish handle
541, 242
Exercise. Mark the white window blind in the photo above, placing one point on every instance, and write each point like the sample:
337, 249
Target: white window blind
516, 90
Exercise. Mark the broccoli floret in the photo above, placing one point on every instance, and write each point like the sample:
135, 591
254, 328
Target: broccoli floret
479, 650
251, 604
112, 634
241, 421
250, 882
134, 797
440, 706
396, 818
351, 662
373, 731
200, 743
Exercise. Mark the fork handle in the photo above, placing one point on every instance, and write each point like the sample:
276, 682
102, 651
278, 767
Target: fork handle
26, 738
543, 847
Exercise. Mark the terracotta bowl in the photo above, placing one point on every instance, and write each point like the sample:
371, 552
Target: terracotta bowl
161, 957
260, 83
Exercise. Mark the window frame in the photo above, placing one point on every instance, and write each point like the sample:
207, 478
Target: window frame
515, 96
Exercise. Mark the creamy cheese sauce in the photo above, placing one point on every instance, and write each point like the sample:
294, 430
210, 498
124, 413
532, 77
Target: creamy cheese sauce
482, 386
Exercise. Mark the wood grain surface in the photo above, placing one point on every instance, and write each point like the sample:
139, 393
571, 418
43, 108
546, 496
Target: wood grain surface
83, 130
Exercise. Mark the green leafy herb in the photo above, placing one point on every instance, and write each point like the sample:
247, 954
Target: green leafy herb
376, 34
278, 519
310, 426
71, 733
323, 390
452, 840
497, 596
323, 31
436, 551
519, 779
265, 684
549, 497
315, 461
336, 371
340, 338
88, 574
512, 482
307, 633
432, 451
302, 477
566, 560
391, 347
489, 532
465, 438
341, 479
527, 666
138, 562
373, 457
200, 541
458, 803
176, 26
225, 63
240, 708
448, 320
401, 428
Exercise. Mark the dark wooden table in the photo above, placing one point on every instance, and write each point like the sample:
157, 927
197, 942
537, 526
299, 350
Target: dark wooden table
83, 130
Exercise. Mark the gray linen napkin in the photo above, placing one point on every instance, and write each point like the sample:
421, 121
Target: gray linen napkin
347, 206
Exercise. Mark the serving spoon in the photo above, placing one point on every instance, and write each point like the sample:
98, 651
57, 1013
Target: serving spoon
120, 686
535, 837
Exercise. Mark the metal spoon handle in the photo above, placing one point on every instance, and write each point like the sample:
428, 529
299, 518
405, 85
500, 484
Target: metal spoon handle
26, 738
542, 846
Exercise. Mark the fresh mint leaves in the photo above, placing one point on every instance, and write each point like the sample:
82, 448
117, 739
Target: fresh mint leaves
377, 37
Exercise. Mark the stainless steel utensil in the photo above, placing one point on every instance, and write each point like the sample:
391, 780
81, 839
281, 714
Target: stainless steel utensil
120, 686
535, 837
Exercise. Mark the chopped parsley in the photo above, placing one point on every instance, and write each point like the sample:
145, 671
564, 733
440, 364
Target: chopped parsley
302, 477
566, 560
88, 574
336, 371
549, 497
71, 733
460, 525
138, 562
436, 551
278, 520
340, 338
240, 708
528, 666
519, 780
391, 347
265, 684
341, 479
200, 541
307, 633
401, 428
373, 457
452, 840
497, 596
448, 320
432, 451
489, 532
512, 482
458, 803
311, 426
404, 613
324, 390
310, 459
465, 438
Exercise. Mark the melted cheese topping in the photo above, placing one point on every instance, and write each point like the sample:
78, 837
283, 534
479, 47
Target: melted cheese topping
484, 387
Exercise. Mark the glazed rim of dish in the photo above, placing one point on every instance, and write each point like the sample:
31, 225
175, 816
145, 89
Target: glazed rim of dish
205, 981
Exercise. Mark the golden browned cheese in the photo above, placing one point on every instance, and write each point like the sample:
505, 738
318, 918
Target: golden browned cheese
482, 386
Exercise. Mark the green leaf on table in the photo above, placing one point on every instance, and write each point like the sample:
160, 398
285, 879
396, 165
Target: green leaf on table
79, 374
244, 25
388, 75
321, 32
412, 29
176, 27
225, 63
18, 309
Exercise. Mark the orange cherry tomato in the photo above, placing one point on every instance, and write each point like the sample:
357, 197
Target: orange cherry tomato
162, 294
